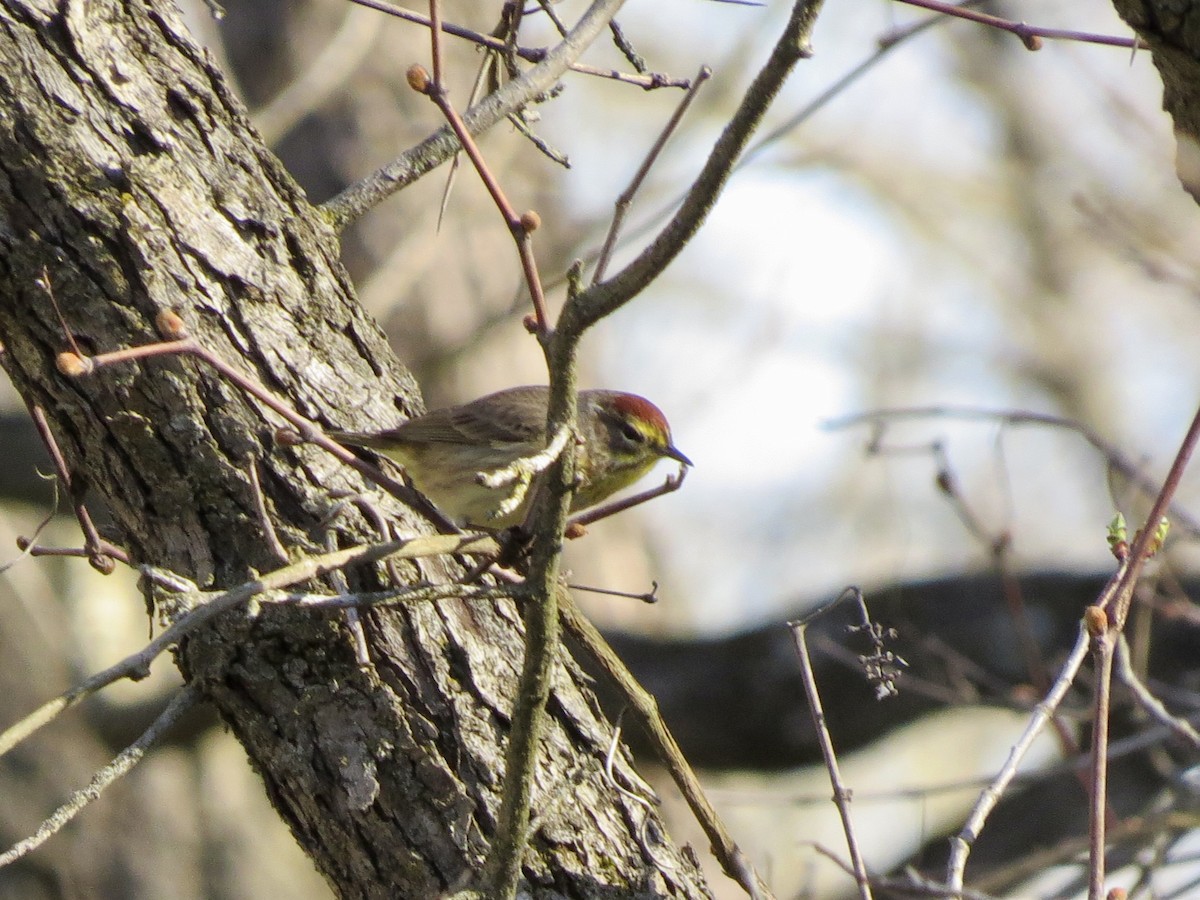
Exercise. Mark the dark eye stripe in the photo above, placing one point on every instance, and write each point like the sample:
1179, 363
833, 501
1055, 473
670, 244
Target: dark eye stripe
632, 433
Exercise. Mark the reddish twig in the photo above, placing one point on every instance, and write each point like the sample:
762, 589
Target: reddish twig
27, 545
421, 158
502, 868
671, 484
435, 39
1031, 35
94, 547
1105, 622
170, 325
521, 227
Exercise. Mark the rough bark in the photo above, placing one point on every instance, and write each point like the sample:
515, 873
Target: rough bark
131, 183
1172, 29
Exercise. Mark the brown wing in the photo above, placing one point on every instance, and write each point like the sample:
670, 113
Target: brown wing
513, 416
497, 419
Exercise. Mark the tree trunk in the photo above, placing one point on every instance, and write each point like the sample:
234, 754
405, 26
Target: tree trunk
1170, 30
133, 184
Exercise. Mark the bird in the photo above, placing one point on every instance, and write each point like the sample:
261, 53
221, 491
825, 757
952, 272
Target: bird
476, 461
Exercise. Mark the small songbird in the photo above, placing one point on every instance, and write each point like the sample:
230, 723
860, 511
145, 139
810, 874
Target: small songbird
449, 453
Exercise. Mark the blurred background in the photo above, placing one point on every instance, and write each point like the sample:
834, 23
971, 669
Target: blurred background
951, 226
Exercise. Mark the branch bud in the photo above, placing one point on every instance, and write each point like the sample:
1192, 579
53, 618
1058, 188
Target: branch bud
418, 78
1095, 620
170, 325
102, 563
72, 364
288, 437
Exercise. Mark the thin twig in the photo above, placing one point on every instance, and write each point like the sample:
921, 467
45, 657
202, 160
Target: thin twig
646, 803
621, 207
435, 40
542, 644
1180, 727
960, 844
841, 795
1117, 605
406, 596
521, 227
650, 596
1102, 639
28, 546
1106, 620
137, 665
363, 196
600, 300
529, 54
260, 507
481, 78
362, 651
1113, 456
188, 697
1030, 35
72, 365
93, 544
670, 484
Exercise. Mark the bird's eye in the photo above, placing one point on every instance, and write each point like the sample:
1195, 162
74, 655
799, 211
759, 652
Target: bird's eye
631, 434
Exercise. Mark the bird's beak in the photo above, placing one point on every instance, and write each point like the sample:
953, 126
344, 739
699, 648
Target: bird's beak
674, 453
